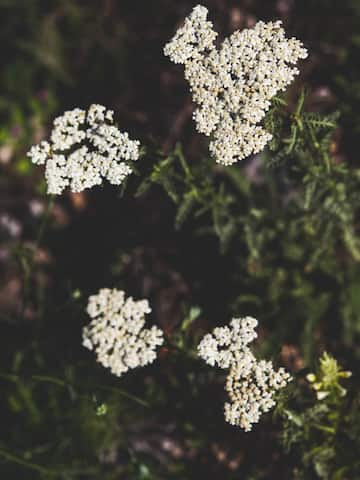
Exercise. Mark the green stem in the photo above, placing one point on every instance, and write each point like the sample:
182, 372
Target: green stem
327, 162
10, 457
326, 429
45, 219
183, 351
65, 384
28, 265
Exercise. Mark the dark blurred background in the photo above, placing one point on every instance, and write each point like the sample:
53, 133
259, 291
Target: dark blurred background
61, 54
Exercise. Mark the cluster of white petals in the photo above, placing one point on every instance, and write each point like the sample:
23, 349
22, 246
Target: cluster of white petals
194, 37
233, 85
250, 384
226, 346
85, 147
116, 332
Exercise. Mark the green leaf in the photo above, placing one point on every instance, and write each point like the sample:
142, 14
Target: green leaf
185, 208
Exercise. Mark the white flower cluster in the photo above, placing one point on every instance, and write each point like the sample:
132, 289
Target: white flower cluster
250, 384
226, 346
233, 85
194, 37
84, 148
117, 334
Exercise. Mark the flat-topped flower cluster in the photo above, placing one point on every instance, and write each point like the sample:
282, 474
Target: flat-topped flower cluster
226, 346
84, 148
233, 86
250, 384
116, 332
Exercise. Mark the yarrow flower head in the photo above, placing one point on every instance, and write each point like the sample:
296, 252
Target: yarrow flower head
226, 346
233, 86
84, 148
194, 37
250, 384
116, 332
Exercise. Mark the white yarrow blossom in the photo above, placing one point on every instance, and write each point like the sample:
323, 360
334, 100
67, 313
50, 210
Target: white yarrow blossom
233, 86
225, 346
194, 37
250, 384
84, 148
251, 387
116, 332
